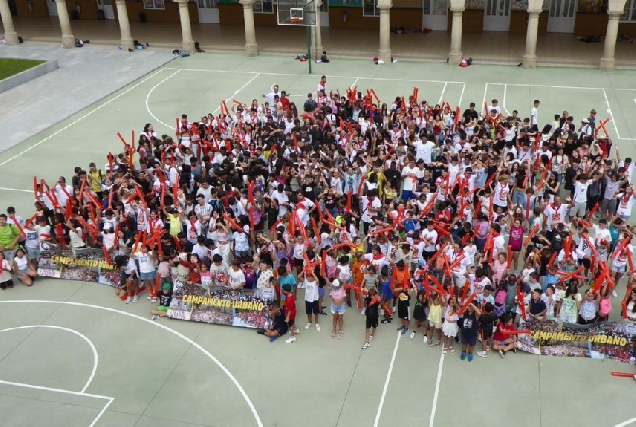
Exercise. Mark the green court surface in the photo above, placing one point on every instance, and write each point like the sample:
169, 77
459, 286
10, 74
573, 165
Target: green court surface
72, 354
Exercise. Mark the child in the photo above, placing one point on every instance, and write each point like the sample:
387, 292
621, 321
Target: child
312, 297
286, 278
504, 341
469, 331
165, 297
525, 295
290, 312
403, 310
387, 296
338, 307
487, 322
343, 274
435, 321
449, 327
279, 325
419, 314
372, 302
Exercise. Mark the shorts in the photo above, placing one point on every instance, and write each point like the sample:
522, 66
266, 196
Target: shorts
621, 270
372, 322
162, 308
403, 312
450, 329
299, 262
585, 262
435, 325
469, 338
312, 307
578, 209
23, 271
608, 206
321, 292
152, 276
291, 323
338, 309
486, 332
460, 281
33, 253
501, 343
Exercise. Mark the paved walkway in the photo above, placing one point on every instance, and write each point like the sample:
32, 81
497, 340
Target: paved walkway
85, 76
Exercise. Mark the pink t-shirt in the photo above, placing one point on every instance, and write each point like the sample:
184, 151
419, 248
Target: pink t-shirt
338, 293
605, 307
516, 238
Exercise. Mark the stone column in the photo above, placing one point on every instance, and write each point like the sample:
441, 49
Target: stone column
68, 39
615, 11
187, 44
318, 35
251, 48
530, 57
10, 35
455, 54
124, 25
384, 52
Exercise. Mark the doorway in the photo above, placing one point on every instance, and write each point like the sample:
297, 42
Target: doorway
497, 15
562, 16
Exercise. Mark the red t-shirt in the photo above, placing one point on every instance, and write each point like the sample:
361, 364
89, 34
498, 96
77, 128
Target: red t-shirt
290, 307
499, 335
285, 102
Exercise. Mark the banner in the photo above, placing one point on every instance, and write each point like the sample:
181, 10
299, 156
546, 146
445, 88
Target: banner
242, 308
88, 265
602, 340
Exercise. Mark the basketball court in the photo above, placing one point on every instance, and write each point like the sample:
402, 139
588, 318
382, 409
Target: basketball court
72, 354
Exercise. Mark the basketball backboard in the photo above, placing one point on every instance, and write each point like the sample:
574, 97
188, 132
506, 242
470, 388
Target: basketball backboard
301, 13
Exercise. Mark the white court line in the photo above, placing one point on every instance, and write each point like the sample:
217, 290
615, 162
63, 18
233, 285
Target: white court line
388, 379
309, 75
552, 87
503, 104
626, 423
483, 101
16, 189
609, 111
75, 393
79, 119
150, 93
73, 331
354, 83
441, 97
236, 92
248, 401
461, 97
436, 394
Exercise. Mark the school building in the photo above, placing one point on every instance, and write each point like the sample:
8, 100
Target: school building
446, 28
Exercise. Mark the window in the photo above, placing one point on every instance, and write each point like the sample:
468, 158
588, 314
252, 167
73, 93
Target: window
370, 8
153, 4
630, 12
264, 6
208, 4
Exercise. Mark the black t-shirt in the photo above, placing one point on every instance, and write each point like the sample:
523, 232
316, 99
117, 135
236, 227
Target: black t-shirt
372, 311
487, 320
164, 299
309, 191
470, 324
309, 106
470, 115
393, 176
280, 324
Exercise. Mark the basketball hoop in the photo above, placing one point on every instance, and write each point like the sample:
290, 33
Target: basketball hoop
296, 15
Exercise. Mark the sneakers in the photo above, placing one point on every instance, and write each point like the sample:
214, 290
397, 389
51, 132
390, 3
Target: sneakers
290, 340
153, 300
470, 357
363, 311
272, 339
349, 304
301, 286
502, 354
483, 354
322, 313
317, 327
412, 335
135, 299
425, 339
384, 321
370, 338
368, 344
405, 331
155, 317
128, 300
296, 331
308, 325
463, 356
401, 328
614, 294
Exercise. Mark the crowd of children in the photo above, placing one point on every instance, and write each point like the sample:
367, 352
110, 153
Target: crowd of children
461, 224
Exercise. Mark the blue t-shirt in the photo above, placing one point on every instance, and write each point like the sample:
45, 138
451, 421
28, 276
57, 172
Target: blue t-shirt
286, 280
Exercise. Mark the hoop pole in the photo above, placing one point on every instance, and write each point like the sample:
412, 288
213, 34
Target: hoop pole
309, 47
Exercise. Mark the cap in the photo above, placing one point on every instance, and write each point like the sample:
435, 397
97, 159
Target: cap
586, 121
166, 286
335, 283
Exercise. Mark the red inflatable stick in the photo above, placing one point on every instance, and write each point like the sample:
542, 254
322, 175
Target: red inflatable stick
521, 302
534, 231
464, 307
622, 374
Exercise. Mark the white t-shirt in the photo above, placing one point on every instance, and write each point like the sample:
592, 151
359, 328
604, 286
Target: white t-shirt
625, 206
146, 264
580, 191
432, 237
534, 119
311, 291
236, 278
409, 182
501, 194
424, 150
